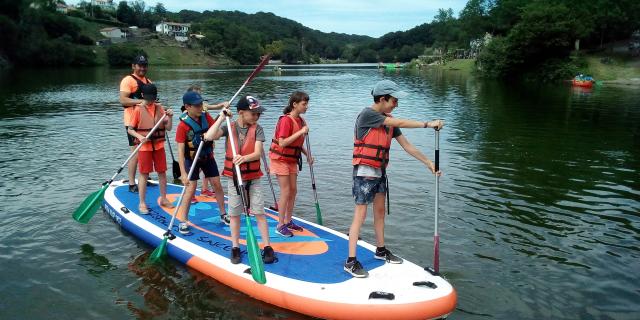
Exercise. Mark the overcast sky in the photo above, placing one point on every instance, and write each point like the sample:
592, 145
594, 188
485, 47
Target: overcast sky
373, 18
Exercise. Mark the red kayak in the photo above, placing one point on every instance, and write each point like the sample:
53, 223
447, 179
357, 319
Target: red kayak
582, 83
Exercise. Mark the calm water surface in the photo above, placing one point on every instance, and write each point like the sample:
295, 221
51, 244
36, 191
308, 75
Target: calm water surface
540, 197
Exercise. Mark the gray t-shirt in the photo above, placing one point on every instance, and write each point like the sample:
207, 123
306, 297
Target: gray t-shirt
242, 132
368, 119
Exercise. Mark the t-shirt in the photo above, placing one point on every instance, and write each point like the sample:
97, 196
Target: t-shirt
135, 120
183, 128
368, 119
243, 131
130, 85
285, 127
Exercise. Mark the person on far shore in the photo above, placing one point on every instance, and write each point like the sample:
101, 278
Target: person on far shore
130, 96
374, 130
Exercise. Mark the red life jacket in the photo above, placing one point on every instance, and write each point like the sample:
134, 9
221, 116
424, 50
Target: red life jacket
248, 170
373, 149
147, 122
290, 153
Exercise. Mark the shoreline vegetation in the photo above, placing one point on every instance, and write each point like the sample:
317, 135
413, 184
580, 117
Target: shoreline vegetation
544, 41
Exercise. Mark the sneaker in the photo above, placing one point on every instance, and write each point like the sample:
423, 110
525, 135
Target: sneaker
151, 183
207, 193
294, 226
183, 228
225, 219
284, 231
235, 255
268, 256
387, 256
133, 188
355, 269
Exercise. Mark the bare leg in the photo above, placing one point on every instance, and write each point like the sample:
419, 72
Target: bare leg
293, 191
264, 229
217, 188
378, 217
283, 202
185, 204
142, 190
235, 231
359, 214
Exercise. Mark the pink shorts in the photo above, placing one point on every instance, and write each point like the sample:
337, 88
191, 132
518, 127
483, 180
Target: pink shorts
150, 160
282, 168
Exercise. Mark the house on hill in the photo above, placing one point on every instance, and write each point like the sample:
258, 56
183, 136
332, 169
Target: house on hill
180, 31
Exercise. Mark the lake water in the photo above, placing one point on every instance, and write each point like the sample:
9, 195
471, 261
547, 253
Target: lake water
539, 203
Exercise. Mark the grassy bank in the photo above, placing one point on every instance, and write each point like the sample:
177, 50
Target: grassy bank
613, 68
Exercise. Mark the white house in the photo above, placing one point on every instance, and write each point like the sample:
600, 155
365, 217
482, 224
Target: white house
173, 29
104, 4
113, 32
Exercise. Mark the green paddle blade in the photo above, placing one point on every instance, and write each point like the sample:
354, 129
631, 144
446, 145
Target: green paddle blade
318, 214
89, 206
255, 259
160, 252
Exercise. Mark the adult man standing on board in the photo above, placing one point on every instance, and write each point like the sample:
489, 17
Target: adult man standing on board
130, 96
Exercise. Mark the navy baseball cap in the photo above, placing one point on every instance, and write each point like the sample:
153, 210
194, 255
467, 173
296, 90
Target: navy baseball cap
192, 98
250, 103
389, 87
149, 92
140, 60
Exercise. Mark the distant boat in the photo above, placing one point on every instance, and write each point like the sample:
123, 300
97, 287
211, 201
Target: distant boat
583, 81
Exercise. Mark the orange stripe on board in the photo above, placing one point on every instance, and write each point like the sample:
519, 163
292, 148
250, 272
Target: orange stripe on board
323, 309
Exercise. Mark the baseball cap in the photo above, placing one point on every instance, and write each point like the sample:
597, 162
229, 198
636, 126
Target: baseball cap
389, 87
140, 60
192, 98
149, 92
250, 103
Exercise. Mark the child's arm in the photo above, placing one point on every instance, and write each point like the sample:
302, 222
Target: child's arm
140, 137
283, 142
413, 151
404, 123
257, 153
183, 169
214, 133
135, 120
218, 106
168, 121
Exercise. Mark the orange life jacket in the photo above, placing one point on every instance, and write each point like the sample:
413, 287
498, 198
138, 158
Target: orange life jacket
290, 153
373, 149
248, 170
147, 122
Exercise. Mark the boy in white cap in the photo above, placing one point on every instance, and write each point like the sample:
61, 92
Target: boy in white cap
374, 130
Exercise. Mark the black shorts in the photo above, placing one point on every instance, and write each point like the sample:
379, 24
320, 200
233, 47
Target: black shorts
132, 139
208, 166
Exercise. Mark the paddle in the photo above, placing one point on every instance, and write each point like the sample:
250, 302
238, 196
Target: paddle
160, 252
176, 165
266, 168
436, 236
313, 181
90, 205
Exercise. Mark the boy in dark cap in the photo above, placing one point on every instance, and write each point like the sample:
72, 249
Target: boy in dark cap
374, 131
151, 155
248, 138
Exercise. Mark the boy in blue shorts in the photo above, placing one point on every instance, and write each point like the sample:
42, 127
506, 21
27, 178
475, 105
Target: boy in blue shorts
374, 130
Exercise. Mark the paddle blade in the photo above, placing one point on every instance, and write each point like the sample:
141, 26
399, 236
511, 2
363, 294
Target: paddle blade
89, 206
318, 214
255, 259
176, 170
159, 254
